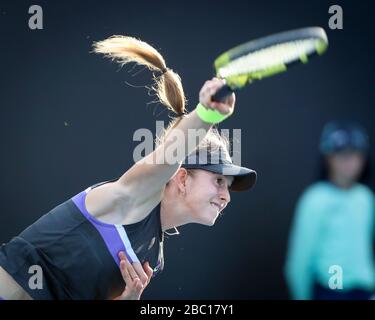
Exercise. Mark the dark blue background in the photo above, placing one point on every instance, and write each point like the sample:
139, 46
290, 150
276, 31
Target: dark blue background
68, 118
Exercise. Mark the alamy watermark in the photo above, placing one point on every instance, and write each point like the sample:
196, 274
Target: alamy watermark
36, 280
177, 145
336, 21
336, 280
36, 19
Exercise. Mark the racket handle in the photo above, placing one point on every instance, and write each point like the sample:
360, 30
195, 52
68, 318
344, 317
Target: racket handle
222, 93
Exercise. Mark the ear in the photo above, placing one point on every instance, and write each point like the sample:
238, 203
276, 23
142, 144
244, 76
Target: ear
180, 178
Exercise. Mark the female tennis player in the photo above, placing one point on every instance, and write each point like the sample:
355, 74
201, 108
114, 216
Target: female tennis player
106, 242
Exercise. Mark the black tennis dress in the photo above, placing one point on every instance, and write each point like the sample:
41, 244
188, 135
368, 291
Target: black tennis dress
78, 254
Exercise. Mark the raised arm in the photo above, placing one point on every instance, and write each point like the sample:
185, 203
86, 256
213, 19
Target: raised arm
147, 178
140, 188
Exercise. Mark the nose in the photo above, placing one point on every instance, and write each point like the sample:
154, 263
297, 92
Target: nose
224, 194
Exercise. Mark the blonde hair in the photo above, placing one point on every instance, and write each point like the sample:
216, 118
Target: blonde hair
168, 86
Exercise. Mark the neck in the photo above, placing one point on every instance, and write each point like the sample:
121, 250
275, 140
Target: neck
340, 182
172, 213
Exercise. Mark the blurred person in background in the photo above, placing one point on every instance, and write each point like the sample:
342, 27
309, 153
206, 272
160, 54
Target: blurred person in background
330, 252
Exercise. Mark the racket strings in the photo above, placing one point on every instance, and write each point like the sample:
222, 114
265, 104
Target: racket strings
269, 57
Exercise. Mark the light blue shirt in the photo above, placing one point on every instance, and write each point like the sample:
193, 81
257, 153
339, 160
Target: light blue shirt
331, 227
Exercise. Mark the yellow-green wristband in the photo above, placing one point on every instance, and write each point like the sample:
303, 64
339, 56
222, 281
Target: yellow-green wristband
209, 115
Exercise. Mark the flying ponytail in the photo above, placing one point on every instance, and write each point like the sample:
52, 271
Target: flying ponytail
168, 86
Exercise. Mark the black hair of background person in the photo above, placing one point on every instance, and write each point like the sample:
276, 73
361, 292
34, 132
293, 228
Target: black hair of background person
68, 119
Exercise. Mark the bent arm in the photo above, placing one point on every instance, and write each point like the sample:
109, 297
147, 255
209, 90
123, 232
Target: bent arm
140, 188
149, 175
146, 179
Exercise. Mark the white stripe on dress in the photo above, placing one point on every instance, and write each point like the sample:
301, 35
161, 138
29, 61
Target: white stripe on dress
125, 240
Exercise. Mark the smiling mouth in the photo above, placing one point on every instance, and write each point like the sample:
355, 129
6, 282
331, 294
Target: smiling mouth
216, 206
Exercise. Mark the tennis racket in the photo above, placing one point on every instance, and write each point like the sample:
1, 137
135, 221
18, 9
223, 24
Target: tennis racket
267, 56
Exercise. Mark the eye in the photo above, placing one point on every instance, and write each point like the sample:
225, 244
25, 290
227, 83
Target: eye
220, 181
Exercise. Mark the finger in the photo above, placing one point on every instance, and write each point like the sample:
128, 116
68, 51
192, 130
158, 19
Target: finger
129, 269
229, 100
124, 272
122, 255
135, 269
214, 86
212, 91
219, 81
140, 272
138, 290
149, 271
135, 290
133, 274
206, 98
138, 286
221, 107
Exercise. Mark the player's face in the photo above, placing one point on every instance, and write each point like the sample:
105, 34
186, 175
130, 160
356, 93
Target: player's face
346, 165
207, 195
